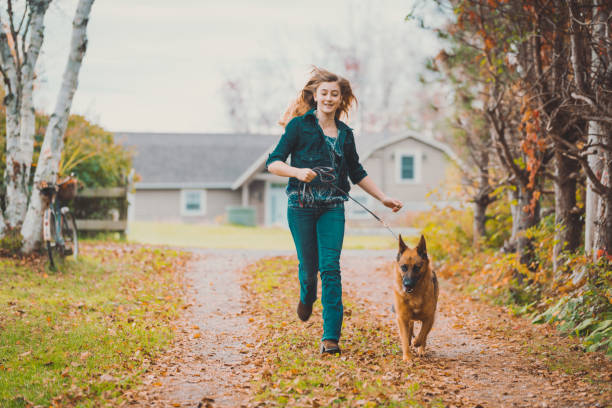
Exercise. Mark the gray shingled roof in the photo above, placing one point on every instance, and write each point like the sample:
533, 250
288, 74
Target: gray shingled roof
189, 158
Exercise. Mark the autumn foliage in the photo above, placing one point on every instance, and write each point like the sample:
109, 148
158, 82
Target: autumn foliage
532, 107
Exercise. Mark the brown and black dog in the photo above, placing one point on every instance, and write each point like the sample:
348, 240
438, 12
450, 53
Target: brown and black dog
415, 286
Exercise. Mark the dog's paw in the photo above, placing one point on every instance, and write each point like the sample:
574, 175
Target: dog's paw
420, 351
407, 357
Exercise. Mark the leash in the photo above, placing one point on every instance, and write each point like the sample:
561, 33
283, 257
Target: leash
327, 176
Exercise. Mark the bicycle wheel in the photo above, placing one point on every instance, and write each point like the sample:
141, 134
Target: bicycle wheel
70, 235
49, 236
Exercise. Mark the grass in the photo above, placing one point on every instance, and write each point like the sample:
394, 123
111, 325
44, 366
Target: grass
235, 237
292, 373
84, 335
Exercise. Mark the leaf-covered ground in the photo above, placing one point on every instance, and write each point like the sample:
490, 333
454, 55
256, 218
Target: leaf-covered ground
478, 355
131, 326
83, 336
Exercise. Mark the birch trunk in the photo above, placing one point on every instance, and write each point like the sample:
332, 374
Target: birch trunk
592, 198
599, 206
11, 101
27, 113
53, 143
19, 85
602, 238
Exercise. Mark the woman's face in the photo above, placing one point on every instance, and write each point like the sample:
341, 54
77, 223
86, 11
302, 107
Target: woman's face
327, 97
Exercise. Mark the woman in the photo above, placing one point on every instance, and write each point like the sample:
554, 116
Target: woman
323, 157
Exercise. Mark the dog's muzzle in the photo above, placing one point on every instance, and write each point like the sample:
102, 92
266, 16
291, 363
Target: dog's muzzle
408, 285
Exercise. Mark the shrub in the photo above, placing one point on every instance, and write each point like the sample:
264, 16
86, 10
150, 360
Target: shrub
448, 231
11, 242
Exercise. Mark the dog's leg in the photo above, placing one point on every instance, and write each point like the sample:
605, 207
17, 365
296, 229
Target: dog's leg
404, 333
410, 332
422, 338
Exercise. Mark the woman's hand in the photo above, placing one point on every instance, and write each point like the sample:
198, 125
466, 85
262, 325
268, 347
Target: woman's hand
392, 203
306, 175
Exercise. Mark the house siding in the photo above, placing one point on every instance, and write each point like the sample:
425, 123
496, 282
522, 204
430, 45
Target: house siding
165, 205
381, 167
157, 205
218, 201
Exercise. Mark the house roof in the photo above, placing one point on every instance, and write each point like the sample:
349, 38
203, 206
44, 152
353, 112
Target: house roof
418, 138
366, 150
197, 160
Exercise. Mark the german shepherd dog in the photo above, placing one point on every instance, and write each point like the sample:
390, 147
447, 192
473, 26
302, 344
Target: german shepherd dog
415, 287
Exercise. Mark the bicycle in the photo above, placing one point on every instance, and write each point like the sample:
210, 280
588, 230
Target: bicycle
60, 233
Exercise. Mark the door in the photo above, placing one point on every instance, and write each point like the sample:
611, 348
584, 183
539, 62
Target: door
277, 205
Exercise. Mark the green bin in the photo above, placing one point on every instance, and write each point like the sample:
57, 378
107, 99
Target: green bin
241, 215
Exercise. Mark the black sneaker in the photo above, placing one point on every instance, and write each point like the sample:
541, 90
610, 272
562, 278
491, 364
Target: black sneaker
304, 311
329, 347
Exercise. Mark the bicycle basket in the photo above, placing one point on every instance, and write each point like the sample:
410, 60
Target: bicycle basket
67, 190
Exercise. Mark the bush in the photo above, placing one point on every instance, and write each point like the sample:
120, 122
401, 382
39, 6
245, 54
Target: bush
448, 232
11, 242
585, 309
89, 151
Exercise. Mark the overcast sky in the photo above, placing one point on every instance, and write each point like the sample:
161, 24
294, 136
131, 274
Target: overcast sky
158, 65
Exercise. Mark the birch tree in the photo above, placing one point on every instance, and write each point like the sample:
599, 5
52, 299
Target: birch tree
598, 219
21, 39
53, 143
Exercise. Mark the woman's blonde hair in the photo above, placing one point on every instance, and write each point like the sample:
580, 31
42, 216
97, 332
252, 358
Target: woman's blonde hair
305, 100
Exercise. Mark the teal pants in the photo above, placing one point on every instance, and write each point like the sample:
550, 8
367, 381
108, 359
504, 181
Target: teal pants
318, 234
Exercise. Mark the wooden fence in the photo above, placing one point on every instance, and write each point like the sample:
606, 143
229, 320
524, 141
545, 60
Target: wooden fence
117, 225
118, 221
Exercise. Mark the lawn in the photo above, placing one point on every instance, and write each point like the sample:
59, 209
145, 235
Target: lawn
230, 236
84, 335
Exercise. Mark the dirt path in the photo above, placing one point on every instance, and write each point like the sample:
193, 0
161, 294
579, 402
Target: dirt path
208, 365
474, 351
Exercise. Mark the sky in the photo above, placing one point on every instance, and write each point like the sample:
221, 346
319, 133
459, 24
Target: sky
159, 65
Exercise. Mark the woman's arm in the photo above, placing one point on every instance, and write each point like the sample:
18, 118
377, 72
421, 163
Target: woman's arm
281, 168
368, 185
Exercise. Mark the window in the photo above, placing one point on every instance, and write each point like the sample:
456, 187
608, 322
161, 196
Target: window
408, 166
193, 202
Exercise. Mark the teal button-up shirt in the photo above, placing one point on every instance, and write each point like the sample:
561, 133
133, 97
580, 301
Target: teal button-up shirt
304, 141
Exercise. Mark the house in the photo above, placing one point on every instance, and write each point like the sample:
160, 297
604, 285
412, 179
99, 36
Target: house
198, 177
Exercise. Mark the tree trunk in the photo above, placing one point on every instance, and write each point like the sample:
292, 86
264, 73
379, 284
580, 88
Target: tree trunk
526, 220
20, 112
567, 218
11, 101
510, 244
482, 199
53, 143
592, 198
601, 72
602, 237
480, 219
28, 115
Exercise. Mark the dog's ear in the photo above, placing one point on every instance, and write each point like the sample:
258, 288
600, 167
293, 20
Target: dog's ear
422, 248
402, 247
